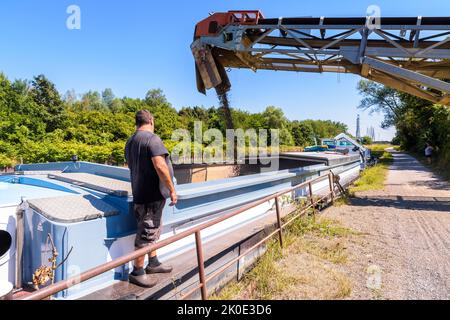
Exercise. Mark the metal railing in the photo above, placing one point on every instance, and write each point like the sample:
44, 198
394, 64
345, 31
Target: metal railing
203, 279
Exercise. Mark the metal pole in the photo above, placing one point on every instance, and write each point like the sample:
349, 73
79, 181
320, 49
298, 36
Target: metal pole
330, 179
312, 199
19, 247
201, 265
280, 231
311, 194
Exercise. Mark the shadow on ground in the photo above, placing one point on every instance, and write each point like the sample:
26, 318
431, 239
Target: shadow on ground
404, 162
401, 202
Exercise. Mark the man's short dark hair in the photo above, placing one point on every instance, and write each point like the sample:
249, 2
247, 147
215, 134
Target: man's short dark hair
143, 117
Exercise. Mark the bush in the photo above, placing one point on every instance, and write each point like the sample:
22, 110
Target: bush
5, 162
37, 125
366, 140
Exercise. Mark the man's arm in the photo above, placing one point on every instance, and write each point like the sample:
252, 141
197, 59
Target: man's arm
159, 162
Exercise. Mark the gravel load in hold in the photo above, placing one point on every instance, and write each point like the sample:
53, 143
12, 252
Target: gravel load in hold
405, 250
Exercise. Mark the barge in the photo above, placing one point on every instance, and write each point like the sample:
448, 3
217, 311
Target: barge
83, 212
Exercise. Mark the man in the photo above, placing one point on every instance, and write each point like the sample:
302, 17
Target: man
429, 152
151, 181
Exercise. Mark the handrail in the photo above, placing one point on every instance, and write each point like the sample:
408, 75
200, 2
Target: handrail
96, 271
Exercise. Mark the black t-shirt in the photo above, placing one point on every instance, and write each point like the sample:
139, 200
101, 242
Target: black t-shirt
145, 183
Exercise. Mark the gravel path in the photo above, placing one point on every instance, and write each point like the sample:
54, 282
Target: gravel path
405, 250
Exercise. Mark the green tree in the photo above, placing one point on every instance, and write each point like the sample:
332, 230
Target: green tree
417, 121
92, 100
302, 134
274, 118
379, 98
108, 98
44, 93
366, 140
37, 125
155, 97
189, 115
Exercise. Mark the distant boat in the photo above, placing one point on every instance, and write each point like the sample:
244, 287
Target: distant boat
316, 148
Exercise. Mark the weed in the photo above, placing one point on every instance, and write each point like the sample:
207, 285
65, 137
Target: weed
331, 251
267, 280
373, 178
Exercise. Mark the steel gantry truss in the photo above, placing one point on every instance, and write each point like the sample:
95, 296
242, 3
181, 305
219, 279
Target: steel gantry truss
408, 54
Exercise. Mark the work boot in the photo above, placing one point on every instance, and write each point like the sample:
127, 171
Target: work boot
154, 266
141, 279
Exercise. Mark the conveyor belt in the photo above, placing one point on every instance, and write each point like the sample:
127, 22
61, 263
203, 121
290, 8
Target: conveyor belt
409, 54
357, 21
91, 181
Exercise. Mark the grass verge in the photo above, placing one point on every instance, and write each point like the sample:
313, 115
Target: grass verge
374, 177
380, 148
273, 277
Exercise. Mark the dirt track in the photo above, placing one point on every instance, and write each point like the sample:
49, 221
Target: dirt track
404, 252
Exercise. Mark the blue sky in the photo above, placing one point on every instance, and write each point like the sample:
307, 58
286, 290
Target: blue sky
132, 46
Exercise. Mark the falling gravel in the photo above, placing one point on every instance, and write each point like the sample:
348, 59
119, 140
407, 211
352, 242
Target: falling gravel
224, 101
